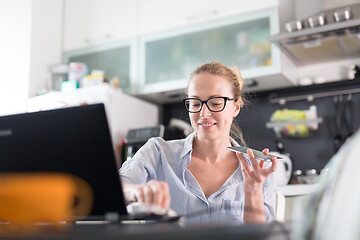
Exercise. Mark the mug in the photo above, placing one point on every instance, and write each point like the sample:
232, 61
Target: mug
43, 197
283, 170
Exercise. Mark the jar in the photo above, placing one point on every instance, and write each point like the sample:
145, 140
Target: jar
77, 71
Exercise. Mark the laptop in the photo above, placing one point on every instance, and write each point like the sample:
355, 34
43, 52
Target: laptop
73, 140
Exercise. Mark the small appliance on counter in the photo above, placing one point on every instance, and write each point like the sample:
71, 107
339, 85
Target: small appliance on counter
284, 167
283, 170
136, 138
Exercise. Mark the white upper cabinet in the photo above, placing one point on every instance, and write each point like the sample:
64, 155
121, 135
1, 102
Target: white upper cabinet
159, 15
168, 57
93, 22
168, 39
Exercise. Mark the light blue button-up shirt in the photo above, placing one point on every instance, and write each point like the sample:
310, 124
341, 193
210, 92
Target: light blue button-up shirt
167, 161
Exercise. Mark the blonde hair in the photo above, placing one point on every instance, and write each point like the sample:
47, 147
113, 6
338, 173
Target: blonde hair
235, 78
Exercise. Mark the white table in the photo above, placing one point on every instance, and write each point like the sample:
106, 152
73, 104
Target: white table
297, 189
294, 193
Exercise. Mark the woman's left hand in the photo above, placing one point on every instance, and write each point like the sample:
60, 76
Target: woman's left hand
255, 175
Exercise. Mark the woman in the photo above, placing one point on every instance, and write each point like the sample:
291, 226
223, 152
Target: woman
197, 176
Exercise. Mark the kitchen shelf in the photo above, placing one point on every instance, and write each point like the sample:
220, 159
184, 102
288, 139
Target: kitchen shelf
317, 91
286, 123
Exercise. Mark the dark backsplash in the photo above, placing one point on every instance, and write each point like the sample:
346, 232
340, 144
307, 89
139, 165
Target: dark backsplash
306, 153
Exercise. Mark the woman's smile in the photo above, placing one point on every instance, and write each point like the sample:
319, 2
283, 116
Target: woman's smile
207, 125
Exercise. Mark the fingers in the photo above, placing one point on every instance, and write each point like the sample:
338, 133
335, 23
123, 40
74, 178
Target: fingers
255, 169
271, 169
149, 193
254, 163
244, 164
153, 192
265, 151
248, 171
274, 164
273, 160
262, 163
157, 194
254, 172
161, 194
139, 194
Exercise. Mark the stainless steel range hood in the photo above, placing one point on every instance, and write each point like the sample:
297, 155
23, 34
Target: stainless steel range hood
330, 42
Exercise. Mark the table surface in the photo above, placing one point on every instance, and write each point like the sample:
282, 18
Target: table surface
157, 231
297, 189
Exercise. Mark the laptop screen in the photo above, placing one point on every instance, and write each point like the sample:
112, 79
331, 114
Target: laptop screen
74, 140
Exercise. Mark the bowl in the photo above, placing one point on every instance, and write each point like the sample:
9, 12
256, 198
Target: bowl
317, 20
342, 14
294, 25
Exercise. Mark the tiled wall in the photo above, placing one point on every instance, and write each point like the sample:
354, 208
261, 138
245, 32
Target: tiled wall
306, 153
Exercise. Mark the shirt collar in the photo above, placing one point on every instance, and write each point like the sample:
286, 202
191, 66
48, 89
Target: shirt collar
189, 142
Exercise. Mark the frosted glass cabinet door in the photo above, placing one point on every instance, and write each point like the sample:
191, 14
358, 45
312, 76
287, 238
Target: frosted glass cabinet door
115, 59
170, 58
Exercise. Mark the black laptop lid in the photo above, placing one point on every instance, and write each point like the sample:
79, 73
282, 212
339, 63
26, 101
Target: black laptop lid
74, 140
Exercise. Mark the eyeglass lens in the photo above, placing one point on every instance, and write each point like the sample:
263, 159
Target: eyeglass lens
214, 104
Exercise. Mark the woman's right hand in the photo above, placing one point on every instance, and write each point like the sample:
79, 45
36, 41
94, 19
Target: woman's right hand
153, 192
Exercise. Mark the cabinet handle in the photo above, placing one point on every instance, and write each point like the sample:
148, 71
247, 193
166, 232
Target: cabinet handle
97, 38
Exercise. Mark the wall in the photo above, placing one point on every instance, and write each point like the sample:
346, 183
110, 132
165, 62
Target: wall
30, 42
15, 22
306, 153
173, 14
46, 43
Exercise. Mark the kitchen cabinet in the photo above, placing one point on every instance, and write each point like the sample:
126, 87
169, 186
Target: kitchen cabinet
167, 43
168, 57
115, 59
94, 22
159, 15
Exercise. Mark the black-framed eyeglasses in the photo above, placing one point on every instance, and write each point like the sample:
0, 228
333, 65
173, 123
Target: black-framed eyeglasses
214, 104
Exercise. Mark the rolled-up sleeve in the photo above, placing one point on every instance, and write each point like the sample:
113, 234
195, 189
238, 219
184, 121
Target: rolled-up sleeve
140, 168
